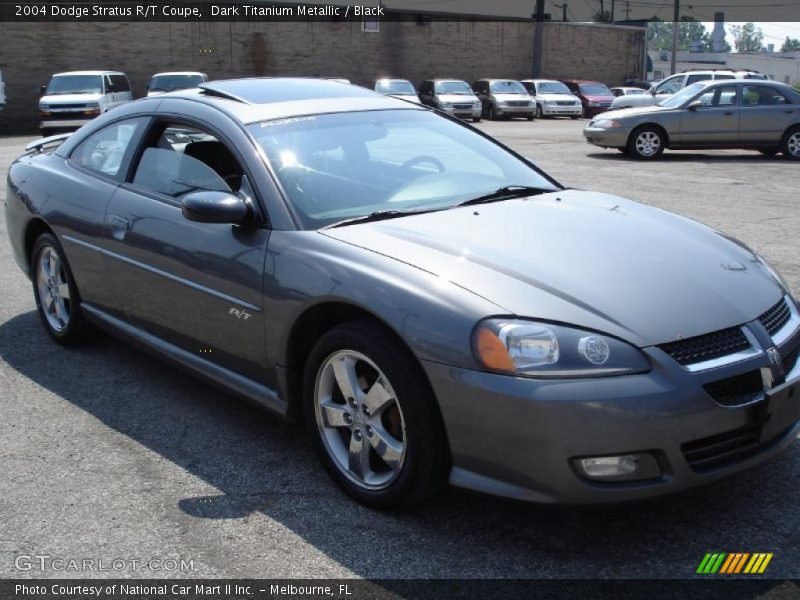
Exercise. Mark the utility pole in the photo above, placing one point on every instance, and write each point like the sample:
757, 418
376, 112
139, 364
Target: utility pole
612, 10
627, 11
602, 8
538, 39
676, 17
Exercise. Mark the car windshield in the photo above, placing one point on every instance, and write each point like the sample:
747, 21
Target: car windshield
395, 86
595, 89
166, 83
552, 87
75, 84
678, 99
341, 166
508, 87
634, 92
458, 88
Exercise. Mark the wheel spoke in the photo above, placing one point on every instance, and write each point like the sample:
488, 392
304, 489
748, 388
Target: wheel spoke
388, 448
358, 457
334, 414
63, 290
53, 264
48, 302
61, 310
378, 397
344, 369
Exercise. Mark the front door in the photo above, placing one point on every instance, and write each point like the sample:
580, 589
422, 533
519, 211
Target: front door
195, 285
715, 122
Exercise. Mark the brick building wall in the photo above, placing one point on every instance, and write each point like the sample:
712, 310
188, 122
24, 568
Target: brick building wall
465, 49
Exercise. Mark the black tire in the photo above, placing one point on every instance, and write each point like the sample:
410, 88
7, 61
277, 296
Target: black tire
646, 136
529, 117
426, 463
790, 146
575, 117
476, 119
539, 112
76, 330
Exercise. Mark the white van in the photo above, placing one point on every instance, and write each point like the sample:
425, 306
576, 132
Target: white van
173, 81
73, 99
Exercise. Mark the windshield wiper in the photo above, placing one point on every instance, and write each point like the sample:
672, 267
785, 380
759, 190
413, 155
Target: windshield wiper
380, 215
505, 193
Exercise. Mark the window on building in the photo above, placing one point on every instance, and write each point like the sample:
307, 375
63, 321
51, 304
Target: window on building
370, 24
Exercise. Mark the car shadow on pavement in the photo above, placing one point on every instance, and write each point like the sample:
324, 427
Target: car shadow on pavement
687, 156
263, 465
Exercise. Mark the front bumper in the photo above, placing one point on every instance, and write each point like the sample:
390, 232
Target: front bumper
612, 137
517, 437
465, 113
556, 111
64, 123
514, 110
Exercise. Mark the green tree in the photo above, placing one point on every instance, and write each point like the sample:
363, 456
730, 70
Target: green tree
790, 45
747, 37
689, 31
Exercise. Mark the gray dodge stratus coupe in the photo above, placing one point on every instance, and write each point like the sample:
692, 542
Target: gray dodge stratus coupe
436, 307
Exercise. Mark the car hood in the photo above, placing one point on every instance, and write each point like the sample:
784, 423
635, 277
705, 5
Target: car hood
561, 97
635, 111
57, 99
599, 98
591, 260
636, 100
507, 97
457, 98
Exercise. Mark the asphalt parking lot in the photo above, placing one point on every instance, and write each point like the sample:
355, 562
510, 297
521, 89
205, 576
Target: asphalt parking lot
107, 454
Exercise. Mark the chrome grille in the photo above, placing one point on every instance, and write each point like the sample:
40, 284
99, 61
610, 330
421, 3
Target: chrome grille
706, 347
518, 103
467, 106
776, 317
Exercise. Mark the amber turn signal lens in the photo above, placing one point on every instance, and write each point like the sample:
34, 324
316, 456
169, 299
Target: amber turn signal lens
492, 352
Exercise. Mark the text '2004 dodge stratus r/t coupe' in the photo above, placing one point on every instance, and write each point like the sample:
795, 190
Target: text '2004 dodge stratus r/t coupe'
435, 306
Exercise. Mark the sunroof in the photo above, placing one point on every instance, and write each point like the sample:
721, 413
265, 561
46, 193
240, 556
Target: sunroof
266, 90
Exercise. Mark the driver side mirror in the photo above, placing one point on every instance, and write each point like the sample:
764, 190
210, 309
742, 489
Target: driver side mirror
214, 207
42, 90
695, 105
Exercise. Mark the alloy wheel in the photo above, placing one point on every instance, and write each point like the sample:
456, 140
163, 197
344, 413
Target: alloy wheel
360, 419
53, 288
793, 144
648, 143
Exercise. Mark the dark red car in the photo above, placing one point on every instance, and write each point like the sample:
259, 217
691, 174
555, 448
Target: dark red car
595, 96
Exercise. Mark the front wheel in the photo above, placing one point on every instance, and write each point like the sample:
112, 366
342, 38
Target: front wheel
373, 418
646, 143
56, 295
476, 119
791, 144
529, 117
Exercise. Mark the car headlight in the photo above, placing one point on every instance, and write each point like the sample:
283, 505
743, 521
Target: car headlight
446, 104
476, 104
534, 349
594, 104
44, 107
606, 124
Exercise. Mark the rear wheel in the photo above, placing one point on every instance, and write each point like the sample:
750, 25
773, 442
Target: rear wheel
373, 418
646, 143
791, 144
56, 295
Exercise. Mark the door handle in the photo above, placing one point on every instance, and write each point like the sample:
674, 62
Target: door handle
728, 113
119, 227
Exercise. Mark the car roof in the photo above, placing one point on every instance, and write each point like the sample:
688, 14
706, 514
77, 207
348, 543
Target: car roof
179, 73
392, 79
88, 73
265, 98
540, 80
581, 81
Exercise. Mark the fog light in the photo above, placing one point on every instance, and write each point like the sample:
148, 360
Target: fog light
625, 467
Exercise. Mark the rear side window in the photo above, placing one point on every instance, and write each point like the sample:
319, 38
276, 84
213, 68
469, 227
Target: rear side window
724, 77
107, 150
120, 83
762, 95
695, 78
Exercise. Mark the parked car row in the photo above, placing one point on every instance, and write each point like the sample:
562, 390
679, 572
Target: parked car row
72, 99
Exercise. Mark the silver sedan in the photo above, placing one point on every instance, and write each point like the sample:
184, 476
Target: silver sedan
757, 115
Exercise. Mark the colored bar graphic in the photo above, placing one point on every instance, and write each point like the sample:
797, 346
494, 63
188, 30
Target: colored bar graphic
734, 563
